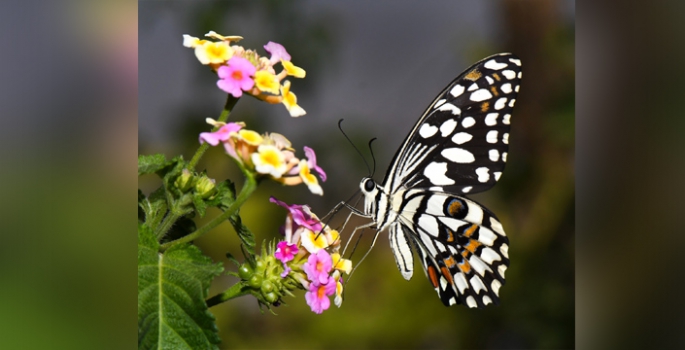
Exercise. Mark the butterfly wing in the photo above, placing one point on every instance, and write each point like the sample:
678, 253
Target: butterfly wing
461, 244
460, 143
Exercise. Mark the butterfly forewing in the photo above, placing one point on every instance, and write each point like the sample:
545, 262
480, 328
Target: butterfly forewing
460, 144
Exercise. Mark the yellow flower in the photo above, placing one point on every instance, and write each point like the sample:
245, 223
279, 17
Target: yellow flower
309, 179
290, 101
214, 35
341, 264
250, 137
210, 52
293, 70
311, 242
191, 41
269, 160
267, 82
338, 294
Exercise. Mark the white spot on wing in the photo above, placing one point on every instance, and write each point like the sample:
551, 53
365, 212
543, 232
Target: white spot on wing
437, 104
458, 155
497, 175
501, 102
504, 156
480, 95
496, 226
511, 103
504, 249
483, 174
486, 300
473, 87
457, 90
435, 172
475, 214
453, 301
488, 255
447, 127
427, 130
451, 108
478, 265
509, 74
471, 302
490, 80
520, 75
494, 155
491, 136
495, 286
515, 61
491, 119
506, 119
468, 122
467, 189
492, 64
477, 284
460, 281
461, 138
443, 283
517, 88
505, 138
501, 269
506, 88
486, 236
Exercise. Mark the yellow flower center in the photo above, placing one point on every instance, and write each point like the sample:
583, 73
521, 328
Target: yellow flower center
271, 157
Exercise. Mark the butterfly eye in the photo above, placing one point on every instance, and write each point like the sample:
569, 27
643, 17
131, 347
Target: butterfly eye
369, 185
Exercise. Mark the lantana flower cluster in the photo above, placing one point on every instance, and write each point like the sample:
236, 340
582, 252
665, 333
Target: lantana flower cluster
310, 255
268, 154
244, 70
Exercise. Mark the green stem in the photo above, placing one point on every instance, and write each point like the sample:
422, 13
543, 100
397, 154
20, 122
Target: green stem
231, 293
230, 103
248, 187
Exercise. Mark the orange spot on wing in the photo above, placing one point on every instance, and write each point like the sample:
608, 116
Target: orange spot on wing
464, 266
496, 76
450, 236
433, 276
446, 274
454, 207
484, 106
449, 262
473, 244
473, 75
470, 230
494, 91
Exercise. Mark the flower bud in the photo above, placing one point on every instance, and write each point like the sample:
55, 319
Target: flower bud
185, 181
205, 187
245, 271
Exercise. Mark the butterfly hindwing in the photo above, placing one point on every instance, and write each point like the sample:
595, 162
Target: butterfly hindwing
461, 244
460, 144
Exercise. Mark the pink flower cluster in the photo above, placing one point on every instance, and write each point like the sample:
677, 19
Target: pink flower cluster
310, 254
242, 70
268, 154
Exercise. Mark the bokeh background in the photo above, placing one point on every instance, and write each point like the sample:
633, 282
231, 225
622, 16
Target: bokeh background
378, 65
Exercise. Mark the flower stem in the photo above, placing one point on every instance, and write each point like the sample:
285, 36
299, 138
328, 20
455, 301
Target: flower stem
248, 187
230, 103
235, 291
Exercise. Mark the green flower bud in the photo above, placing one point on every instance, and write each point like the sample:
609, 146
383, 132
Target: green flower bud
255, 281
245, 271
271, 297
185, 181
205, 187
267, 287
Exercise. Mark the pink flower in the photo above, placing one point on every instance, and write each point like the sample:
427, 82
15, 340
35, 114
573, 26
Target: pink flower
221, 135
311, 161
277, 52
235, 77
301, 216
318, 267
285, 251
317, 296
286, 271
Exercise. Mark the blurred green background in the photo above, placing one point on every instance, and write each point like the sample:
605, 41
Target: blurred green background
378, 64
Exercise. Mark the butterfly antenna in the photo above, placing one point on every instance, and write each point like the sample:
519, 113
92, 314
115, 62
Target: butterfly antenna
372, 156
355, 147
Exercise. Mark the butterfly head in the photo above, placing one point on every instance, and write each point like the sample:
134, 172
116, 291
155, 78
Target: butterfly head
370, 190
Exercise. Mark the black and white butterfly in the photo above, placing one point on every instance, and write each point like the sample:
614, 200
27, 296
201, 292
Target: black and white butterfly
459, 146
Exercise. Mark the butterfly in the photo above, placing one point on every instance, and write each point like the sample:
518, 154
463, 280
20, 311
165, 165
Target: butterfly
458, 147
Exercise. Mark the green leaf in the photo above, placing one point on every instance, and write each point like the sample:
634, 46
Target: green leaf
151, 163
172, 288
246, 237
154, 207
200, 205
